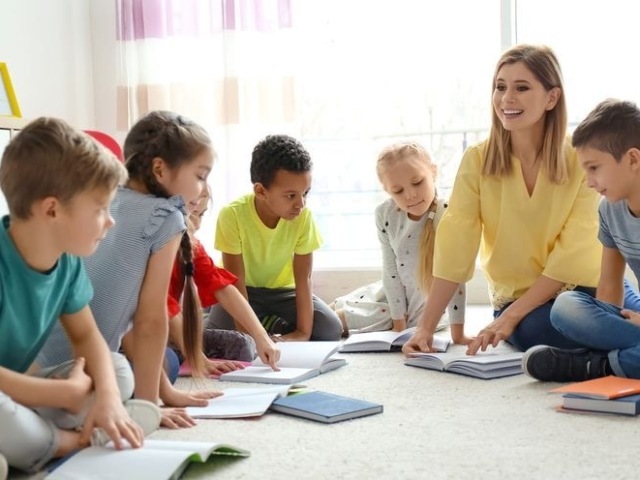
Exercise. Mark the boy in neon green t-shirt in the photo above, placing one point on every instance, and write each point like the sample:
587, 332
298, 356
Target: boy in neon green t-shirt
267, 239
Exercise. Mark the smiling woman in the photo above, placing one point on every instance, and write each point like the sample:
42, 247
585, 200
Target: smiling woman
520, 199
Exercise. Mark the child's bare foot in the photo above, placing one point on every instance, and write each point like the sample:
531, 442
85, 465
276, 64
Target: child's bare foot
68, 441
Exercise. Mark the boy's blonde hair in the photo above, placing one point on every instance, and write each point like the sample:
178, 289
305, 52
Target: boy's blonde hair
49, 158
543, 63
388, 157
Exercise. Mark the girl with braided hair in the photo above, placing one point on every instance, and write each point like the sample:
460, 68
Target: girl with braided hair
168, 158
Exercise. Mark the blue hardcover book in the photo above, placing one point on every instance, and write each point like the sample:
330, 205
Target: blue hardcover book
324, 407
629, 405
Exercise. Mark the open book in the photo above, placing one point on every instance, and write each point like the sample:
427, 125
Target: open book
155, 460
298, 361
501, 361
239, 403
387, 341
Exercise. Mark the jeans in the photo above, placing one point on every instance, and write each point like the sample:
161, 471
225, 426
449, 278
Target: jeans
536, 329
600, 326
171, 364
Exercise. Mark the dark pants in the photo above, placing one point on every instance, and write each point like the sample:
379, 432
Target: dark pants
280, 303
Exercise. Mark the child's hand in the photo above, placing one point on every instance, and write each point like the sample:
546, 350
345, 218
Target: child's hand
78, 385
457, 335
633, 317
268, 352
175, 418
109, 414
400, 324
295, 336
180, 398
218, 367
421, 341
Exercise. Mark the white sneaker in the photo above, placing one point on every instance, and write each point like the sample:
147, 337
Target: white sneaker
143, 412
4, 468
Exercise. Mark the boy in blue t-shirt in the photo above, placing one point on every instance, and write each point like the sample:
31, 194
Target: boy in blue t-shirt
58, 184
608, 147
267, 239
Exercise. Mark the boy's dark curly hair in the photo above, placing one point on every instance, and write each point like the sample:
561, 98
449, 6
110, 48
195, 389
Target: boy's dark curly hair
278, 152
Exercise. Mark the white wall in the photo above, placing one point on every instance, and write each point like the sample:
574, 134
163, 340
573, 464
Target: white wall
47, 47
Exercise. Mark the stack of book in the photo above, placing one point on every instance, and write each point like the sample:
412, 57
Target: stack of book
604, 395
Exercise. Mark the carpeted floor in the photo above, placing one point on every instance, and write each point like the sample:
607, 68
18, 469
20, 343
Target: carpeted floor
435, 425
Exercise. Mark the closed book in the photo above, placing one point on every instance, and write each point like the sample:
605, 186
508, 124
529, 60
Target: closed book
324, 407
387, 341
623, 405
604, 388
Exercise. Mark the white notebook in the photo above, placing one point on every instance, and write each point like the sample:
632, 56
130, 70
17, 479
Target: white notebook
240, 402
155, 460
298, 361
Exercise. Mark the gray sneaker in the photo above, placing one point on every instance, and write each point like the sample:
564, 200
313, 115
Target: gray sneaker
4, 468
143, 412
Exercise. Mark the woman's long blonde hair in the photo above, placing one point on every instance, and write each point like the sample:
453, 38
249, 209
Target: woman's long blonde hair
388, 157
542, 62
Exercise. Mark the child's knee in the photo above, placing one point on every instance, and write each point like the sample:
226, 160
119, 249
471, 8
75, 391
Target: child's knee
124, 375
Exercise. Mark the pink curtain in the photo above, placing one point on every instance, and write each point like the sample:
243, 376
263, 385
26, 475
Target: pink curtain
220, 62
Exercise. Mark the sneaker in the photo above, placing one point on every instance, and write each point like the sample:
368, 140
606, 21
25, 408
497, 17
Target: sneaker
143, 412
550, 364
4, 468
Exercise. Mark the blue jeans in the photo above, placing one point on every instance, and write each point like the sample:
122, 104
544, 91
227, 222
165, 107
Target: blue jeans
599, 326
171, 364
535, 328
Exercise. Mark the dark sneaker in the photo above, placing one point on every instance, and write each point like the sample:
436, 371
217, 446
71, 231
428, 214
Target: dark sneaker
550, 364
275, 325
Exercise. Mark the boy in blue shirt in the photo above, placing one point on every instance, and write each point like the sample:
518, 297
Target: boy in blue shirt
608, 147
267, 239
58, 184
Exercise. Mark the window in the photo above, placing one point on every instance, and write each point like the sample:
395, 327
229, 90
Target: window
370, 74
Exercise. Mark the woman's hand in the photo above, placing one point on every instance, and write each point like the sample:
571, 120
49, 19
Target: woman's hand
500, 329
633, 317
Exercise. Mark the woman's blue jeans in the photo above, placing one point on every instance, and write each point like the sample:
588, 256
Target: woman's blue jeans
536, 329
598, 325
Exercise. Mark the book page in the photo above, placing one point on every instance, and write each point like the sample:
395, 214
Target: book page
239, 402
303, 354
285, 376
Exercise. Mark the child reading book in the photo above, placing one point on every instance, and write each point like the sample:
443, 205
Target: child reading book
608, 146
267, 239
58, 184
168, 158
406, 225
215, 285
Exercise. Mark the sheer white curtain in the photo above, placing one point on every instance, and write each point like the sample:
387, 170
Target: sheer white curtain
347, 77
